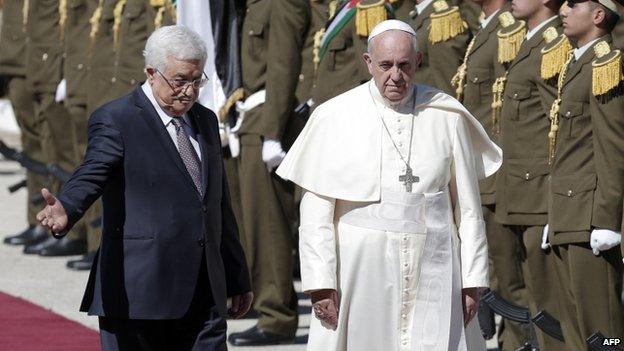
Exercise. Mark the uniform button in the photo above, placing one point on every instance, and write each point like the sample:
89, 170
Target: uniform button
80, 66
568, 114
251, 32
401, 145
132, 81
515, 95
113, 80
204, 208
301, 77
405, 265
570, 192
527, 176
404, 316
475, 79
201, 242
399, 131
44, 57
413, 14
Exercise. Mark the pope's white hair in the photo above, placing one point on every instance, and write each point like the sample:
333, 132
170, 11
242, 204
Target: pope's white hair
178, 41
369, 47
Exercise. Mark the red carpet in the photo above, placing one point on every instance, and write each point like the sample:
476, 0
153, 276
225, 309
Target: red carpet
28, 327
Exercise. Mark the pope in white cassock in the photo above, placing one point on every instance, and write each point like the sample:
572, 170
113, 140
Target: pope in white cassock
392, 238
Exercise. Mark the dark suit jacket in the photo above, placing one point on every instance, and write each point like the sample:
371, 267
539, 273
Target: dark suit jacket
156, 227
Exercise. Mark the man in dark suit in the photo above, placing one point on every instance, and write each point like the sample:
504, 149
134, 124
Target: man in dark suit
170, 254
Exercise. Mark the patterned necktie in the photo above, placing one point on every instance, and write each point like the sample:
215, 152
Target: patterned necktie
187, 153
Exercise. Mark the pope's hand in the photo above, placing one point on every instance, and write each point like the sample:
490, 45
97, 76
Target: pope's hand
325, 306
470, 300
603, 239
53, 216
240, 305
272, 153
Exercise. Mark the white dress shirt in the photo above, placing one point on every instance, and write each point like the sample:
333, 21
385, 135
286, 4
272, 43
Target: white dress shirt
423, 5
488, 19
578, 52
166, 120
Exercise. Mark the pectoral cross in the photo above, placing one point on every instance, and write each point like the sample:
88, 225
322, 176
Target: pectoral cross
408, 179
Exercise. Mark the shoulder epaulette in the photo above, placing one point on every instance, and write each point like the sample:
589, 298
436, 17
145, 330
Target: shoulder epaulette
606, 70
446, 22
554, 54
369, 14
161, 7
510, 37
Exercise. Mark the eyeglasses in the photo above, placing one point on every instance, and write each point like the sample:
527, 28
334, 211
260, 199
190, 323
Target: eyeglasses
178, 85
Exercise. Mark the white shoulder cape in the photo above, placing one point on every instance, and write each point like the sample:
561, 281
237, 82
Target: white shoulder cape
338, 153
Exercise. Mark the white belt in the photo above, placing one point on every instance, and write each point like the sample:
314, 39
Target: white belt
242, 107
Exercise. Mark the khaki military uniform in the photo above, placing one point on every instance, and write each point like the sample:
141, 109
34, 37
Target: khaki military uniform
441, 55
44, 71
12, 57
586, 192
341, 65
522, 180
473, 84
272, 39
77, 31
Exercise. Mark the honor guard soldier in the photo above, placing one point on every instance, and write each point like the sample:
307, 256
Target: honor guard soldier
273, 35
443, 37
586, 143
12, 67
521, 103
45, 29
473, 87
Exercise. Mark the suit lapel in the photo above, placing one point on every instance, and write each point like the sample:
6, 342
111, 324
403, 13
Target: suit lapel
150, 116
535, 41
420, 19
585, 59
484, 34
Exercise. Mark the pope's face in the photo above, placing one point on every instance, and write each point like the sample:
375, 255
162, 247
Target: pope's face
392, 62
176, 88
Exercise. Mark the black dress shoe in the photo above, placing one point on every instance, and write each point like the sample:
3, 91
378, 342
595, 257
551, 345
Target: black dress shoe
65, 247
82, 264
256, 337
21, 238
36, 246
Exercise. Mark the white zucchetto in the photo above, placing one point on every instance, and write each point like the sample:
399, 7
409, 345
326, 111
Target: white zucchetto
391, 25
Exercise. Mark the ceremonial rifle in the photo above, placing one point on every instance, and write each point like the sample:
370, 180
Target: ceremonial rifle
548, 324
596, 342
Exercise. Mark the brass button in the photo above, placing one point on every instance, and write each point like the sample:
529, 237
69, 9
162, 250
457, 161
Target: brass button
515, 95
251, 32
475, 79
44, 57
413, 14
113, 80
132, 81
301, 77
568, 114
527, 176
80, 66
570, 192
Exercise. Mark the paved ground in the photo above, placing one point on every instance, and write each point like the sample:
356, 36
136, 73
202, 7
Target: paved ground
46, 281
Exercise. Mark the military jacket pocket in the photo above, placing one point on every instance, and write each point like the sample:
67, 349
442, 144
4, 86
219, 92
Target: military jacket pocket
255, 34
514, 95
572, 202
336, 53
479, 90
527, 181
44, 66
572, 120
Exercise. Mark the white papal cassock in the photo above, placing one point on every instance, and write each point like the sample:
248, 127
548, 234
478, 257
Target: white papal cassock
397, 259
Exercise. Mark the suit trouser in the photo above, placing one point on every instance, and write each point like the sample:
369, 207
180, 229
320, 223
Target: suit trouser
267, 215
79, 123
23, 102
590, 293
58, 144
200, 329
505, 256
540, 276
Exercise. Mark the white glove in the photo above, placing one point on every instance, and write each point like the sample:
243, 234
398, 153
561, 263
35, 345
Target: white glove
545, 243
61, 91
604, 239
272, 153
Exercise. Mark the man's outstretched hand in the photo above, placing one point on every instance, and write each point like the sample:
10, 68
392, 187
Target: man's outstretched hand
240, 305
53, 217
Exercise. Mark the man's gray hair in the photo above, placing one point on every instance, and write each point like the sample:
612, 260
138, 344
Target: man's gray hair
178, 41
415, 49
